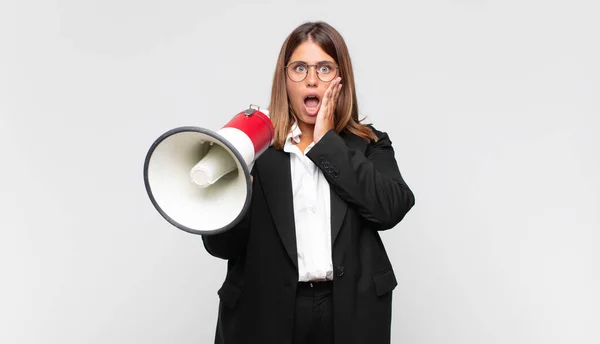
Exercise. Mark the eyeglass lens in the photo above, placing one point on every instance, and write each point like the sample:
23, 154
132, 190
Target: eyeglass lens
297, 71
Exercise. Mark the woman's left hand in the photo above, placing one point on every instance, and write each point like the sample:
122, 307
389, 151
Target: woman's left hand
326, 116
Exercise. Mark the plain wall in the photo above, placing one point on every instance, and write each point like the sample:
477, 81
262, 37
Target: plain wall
492, 108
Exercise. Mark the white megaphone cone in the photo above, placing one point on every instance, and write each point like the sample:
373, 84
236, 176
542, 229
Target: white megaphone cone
199, 180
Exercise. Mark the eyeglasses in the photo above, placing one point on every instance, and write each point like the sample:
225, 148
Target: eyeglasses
297, 71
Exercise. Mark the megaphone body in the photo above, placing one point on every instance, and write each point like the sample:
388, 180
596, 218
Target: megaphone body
199, 180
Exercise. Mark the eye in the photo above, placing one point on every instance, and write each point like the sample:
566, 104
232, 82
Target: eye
325, 68
300, 68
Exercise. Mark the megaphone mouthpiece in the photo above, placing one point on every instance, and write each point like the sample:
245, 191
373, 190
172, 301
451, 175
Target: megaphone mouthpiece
215, 164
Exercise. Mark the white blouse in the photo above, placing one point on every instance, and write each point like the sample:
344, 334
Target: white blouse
312, 213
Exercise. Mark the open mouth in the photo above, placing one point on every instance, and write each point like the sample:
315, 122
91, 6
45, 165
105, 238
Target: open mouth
312, 104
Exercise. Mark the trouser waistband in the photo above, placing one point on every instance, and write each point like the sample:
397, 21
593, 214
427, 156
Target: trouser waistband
312, 288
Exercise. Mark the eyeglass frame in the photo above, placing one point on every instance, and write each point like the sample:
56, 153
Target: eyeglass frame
285, 68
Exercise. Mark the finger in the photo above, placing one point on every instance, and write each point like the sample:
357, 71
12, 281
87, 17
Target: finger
332, 90
336, 93
325, 101
329, 91
338, 90
338, 81
332, 96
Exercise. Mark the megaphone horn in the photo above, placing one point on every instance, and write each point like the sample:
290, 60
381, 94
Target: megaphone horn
199, 180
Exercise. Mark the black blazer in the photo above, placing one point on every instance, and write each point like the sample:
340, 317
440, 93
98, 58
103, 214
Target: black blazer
368, 195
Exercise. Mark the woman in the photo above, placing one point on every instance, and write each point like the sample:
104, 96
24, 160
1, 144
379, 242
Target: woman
307, 265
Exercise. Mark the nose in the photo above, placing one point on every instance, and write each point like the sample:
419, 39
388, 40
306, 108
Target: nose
312, 78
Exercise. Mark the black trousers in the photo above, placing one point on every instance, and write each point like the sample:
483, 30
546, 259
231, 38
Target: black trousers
313, 322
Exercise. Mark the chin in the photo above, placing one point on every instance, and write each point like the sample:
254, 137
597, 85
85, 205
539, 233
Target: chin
308, 119
304, 117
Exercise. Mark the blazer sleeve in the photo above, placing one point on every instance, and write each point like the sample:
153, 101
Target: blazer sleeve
232, 243
369, 181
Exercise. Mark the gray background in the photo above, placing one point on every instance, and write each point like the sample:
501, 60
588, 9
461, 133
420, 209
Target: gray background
492, 107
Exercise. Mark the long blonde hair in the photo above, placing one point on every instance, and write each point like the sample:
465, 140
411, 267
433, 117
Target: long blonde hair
346, 112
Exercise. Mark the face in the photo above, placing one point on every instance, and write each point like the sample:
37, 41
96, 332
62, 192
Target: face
305, 96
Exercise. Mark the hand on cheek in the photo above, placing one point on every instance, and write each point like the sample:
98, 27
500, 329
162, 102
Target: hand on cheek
326, 116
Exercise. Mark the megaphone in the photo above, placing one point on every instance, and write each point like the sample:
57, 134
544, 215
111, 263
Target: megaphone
199, 180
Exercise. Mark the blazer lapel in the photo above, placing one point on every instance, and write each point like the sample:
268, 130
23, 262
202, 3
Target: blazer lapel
338, 212
274, 167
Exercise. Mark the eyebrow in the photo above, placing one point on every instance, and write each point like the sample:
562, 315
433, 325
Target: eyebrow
316, 63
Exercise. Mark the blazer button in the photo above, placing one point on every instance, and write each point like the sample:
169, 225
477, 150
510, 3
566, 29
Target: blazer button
336, 174
340, 271
326, 164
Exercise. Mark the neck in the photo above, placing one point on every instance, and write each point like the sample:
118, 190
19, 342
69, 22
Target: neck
307, 136
307, 132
